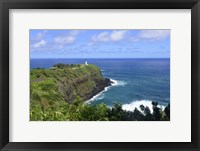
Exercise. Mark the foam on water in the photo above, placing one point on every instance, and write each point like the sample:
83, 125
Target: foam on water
136, 104
117, 83
100, 95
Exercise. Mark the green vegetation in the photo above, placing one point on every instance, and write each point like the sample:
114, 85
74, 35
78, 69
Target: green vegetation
58, 94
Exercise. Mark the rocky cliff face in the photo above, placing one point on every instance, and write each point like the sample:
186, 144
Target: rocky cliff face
85, 85
70, 81
100, 86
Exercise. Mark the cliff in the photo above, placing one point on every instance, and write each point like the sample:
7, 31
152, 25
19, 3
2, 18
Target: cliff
67, 82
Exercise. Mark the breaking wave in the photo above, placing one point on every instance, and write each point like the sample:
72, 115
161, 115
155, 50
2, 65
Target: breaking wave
136, 104
117, 83
100, 95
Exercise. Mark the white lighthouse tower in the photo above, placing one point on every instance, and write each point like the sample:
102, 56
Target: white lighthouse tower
86, 63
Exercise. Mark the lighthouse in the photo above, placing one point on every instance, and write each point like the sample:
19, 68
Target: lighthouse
86, 63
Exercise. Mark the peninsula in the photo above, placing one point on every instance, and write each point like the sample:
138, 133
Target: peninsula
69, 81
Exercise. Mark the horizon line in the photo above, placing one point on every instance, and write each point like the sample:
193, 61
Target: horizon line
100, 58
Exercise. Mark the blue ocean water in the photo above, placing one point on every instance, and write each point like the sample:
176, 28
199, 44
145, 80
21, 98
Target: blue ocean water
136, 80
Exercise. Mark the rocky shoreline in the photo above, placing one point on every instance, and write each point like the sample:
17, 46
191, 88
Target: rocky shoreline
100, 86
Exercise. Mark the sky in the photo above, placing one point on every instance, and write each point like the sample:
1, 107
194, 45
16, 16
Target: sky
99, 43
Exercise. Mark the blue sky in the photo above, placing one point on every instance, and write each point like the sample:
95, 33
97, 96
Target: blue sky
99, 43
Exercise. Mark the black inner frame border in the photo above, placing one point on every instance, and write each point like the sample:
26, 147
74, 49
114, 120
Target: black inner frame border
5, 5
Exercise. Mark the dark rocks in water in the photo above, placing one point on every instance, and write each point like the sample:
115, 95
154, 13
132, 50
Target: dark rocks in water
108, 81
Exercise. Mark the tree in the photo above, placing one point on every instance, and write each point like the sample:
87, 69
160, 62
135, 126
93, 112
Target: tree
167, 112
148, 115
142, 107
138, 115
116, 113
156, 112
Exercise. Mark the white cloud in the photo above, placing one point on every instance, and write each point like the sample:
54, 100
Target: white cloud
115, 35
57, 43
40, 44
70, 38
118, 35
153, 34
64, 40
104, 36
40, 35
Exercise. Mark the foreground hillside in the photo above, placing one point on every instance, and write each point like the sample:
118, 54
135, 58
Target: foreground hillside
59, 93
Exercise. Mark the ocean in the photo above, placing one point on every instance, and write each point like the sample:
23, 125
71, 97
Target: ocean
136, 81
